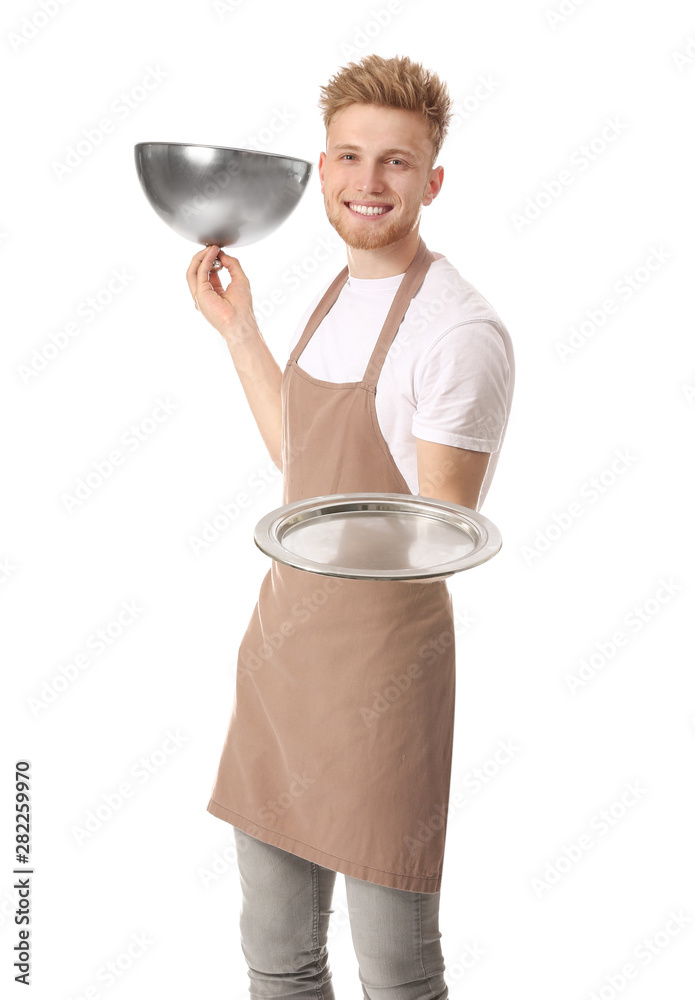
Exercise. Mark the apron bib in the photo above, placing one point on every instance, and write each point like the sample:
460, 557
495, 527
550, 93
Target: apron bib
340, 741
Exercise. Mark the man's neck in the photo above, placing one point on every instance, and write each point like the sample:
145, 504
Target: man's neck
385, 261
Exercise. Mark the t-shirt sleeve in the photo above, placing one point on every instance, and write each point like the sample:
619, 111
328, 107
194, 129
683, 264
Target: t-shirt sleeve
461, 388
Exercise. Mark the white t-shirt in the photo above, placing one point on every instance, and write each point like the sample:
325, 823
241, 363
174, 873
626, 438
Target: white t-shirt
448, 376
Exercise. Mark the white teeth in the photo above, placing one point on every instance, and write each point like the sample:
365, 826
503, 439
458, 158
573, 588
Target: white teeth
367, 210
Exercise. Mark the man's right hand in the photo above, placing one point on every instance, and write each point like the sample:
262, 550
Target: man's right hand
229, 310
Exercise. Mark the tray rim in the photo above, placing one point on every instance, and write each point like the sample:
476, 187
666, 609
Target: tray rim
268, 540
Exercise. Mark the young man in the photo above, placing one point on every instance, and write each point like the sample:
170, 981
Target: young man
400, 379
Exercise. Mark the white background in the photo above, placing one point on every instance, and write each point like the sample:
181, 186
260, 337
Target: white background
540, 607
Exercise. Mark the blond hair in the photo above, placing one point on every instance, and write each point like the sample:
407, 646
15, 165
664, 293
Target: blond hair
390, 83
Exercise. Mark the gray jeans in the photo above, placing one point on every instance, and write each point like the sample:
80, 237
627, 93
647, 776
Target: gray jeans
286, 906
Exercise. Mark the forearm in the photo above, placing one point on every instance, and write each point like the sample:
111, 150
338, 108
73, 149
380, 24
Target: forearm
261, 378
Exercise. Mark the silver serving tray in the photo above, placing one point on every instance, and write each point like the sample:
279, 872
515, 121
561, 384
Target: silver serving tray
377, 536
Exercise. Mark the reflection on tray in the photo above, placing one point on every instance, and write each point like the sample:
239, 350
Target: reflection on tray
378, 540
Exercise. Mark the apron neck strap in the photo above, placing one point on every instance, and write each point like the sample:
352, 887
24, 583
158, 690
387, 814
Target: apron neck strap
408, 288
412, 279
329, 297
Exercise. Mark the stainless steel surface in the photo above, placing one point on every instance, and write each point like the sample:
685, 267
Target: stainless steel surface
378, 536
219, 194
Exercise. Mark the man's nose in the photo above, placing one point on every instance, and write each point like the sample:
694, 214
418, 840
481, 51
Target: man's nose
370, 177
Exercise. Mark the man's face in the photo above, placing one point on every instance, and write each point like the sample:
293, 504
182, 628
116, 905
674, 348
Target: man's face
380, 157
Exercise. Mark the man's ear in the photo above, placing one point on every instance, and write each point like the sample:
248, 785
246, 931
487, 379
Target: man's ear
434, 185
322, 165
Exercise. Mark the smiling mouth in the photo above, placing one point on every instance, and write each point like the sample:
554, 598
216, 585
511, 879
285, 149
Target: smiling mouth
368, 211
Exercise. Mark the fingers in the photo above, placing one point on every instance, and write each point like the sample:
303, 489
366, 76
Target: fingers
213, 275
199, 275
232, 265
192, 273
205, 268
201, 278
214, 279
195, 264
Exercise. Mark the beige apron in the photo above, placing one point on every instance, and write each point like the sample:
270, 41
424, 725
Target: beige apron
339, 745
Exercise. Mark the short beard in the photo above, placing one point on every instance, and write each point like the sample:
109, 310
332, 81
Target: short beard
386, 235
